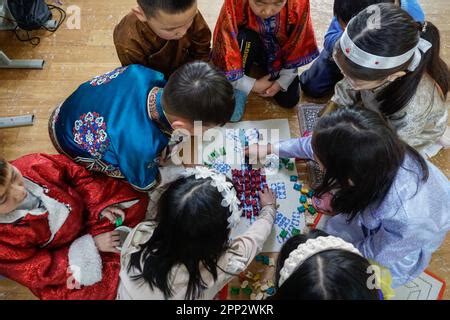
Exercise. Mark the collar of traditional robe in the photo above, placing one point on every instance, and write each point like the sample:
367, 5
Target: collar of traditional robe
156, 111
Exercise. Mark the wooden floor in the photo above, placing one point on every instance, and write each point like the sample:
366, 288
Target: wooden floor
74, 56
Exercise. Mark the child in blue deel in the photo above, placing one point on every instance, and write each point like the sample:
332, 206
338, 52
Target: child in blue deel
319, 80
120, 123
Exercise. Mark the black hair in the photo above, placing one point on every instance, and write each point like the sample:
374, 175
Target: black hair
192, 230
151, 7
3, 171
345, 10
361, 154
328, 275
397, 34
197, 91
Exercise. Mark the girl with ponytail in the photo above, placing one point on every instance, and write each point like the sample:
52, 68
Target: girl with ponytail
391, 64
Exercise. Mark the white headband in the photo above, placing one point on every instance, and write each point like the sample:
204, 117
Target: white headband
368, 60
225, 187
306, 250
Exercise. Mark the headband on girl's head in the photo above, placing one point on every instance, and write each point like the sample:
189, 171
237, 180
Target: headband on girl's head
226, 188
310, 248
368, 60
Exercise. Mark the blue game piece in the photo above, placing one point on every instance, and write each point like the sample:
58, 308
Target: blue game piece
297, 186
294, 178
301, 209
303, 199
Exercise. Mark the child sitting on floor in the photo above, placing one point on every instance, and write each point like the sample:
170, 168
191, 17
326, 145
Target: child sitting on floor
275, 34
163, 35
121, 122
186, 252
56, 227
317, 266
388, 201
320, 79
402, 77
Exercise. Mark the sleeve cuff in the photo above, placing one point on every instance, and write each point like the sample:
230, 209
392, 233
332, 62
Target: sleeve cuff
244, 84
85, 262
286, 78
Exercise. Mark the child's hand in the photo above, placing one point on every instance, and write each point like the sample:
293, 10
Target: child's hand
111, 213
272, 90
108, 241
262, 84
267, 198
255, 150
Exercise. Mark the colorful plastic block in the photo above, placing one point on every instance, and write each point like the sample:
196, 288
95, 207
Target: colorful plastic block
312, 210
119, 221
297, 186
248, 291
244, 284
303, 199
295, 232
270, 291
304, 190
290, 166
266, 260
301, 209
311, 193
259, 258
283, 234
257, 277
294, 178
235, 291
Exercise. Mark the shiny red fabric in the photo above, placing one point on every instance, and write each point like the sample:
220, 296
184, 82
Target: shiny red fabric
24, 255
294, 40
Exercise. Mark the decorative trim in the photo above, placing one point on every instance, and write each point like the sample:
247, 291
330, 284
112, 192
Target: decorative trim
85, 262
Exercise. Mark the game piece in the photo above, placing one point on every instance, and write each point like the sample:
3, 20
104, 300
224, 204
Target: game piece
283, 234
119, 221
257, 277
234, 291
311, 193
244, 284
312, 210
295, 232
297, 186
253, 296
303, 199
259, 258
266, 260
304, 190
249, 275
293, 178
301, 209
248, 291
270, 291
290, 166
259, 296
264, 287
256, 285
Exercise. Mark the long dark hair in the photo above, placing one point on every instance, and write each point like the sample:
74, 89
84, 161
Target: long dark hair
397, 34
361, 154
192, 230
327, 275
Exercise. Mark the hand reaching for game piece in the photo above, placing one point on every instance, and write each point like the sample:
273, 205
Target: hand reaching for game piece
108, 241
255, 150
267, 198
112, 213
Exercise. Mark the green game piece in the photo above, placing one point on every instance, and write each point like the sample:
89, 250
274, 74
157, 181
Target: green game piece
295, 232
235, 291
248, 291
290, 166
259, 258
301, 209
312, 210
294, 178
303, 198
284, 161
119, 221
214, 154
283, 234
